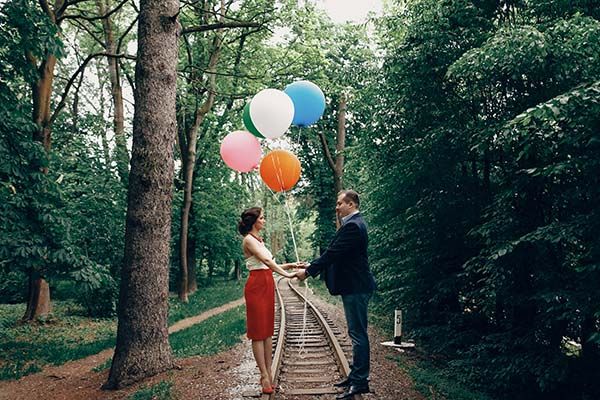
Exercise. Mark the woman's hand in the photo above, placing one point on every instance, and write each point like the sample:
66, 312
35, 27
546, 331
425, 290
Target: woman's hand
300, 265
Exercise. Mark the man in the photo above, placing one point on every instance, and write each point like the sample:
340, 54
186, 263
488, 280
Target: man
345, 267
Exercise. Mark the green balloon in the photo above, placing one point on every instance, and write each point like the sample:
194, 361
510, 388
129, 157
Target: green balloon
248, 122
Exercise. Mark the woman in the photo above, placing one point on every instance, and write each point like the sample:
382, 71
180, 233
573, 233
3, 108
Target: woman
259, 292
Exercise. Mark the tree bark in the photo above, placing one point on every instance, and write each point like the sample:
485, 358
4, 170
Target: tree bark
143, 346
110, 45
337, 165
189, 154
338, 172
103, 138
38, 302
192, 281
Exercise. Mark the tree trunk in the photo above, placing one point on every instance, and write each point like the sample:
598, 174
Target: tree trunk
189, 153
211, 267
103, 138
338, 171
337, 165
38, 299
143, 346
121, 153
38, 302
192, 283
238, 270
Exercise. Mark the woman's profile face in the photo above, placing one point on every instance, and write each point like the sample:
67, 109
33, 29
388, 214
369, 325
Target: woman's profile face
260, 222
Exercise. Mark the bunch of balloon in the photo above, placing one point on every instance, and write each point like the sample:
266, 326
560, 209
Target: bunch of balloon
268, 115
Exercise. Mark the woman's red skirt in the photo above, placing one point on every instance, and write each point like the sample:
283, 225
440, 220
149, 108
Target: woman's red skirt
259, 293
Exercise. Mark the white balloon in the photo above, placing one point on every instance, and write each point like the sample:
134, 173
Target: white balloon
271, 112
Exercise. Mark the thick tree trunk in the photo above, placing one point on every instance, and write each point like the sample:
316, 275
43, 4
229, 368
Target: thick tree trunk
142, 337
121, 153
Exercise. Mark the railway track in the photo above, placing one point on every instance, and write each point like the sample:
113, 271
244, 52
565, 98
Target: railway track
306, 364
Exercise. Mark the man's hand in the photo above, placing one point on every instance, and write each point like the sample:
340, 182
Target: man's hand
301, 265
302, 275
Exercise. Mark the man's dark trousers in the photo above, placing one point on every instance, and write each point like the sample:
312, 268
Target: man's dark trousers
355, 307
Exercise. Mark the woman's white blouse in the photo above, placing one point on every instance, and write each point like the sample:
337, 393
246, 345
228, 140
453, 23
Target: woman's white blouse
253, 263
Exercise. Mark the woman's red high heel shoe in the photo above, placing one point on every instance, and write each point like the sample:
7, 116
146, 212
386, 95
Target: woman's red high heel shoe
268, 390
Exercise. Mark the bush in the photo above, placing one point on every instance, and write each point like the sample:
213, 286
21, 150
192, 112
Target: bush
96, 290
13, 287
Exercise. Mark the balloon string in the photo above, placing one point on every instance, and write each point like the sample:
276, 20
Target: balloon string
301, 349
277, 168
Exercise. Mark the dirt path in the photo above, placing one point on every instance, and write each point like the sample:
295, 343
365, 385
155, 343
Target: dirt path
76, 380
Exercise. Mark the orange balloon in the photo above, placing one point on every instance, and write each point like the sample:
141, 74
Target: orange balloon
280, 170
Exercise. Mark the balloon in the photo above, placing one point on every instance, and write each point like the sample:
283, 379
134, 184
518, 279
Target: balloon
248, 122
309, 102
271, 111
280, 170
241, 151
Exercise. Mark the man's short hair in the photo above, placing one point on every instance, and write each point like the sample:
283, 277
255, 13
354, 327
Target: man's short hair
351, 196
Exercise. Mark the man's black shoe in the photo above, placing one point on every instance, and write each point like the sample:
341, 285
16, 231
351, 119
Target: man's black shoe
343, 384
351, 391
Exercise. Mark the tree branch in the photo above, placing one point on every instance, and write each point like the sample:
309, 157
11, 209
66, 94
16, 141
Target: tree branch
89, 32
120, 41
220, 25
46, 8
85, 17
326, 150
81, 70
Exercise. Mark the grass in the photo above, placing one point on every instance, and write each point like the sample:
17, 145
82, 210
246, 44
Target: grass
101, 367
218, 333
219, 293
160, 391
435, 383
62, 337
68, 334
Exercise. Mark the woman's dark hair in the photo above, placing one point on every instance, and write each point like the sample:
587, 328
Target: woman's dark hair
248, 218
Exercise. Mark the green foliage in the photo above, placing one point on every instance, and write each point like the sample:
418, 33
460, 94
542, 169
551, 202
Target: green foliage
482, 166
27, 32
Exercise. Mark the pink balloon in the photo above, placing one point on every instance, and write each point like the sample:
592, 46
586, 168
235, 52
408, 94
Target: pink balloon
241, 151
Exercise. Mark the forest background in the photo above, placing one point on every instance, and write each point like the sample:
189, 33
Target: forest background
471, 128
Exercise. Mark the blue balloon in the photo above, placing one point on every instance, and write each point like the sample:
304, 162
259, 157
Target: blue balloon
309, 102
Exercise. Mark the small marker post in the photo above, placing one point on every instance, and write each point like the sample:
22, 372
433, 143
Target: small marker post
398, 327
397, 342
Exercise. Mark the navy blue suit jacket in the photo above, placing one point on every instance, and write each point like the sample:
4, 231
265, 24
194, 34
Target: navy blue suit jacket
345, 264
